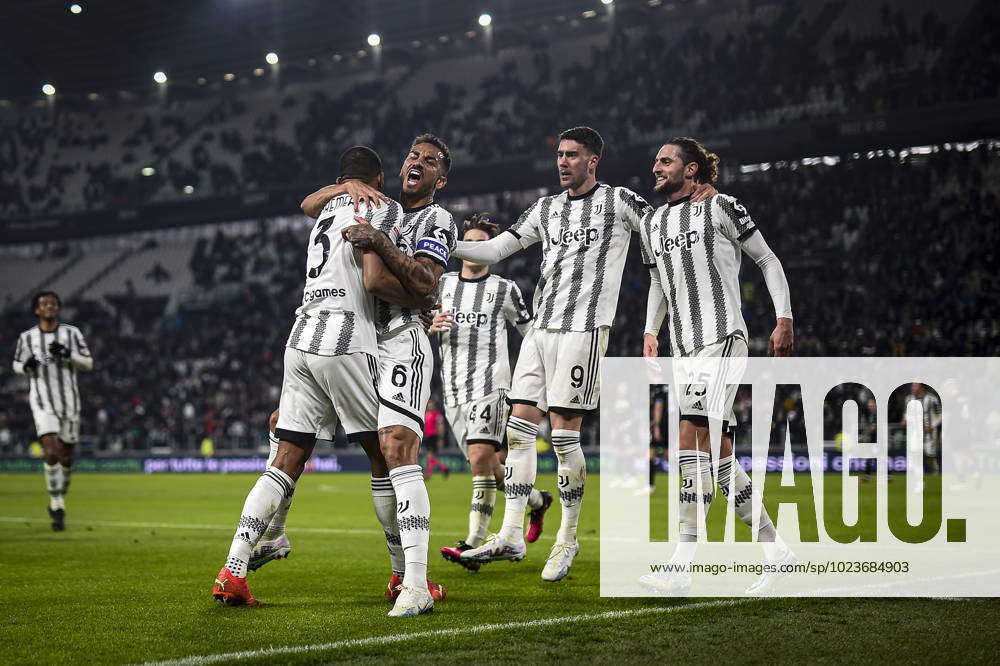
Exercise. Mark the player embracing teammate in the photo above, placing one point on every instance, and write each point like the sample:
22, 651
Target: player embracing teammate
585, 232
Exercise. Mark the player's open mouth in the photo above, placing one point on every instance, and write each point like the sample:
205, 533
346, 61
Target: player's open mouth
413, 176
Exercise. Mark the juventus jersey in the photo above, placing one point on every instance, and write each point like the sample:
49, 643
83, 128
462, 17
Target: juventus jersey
474, 351
337, 314
53, 384
428, 231
931, 407
585, 240
696, 248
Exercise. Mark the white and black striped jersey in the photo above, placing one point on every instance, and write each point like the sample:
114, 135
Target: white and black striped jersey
427, 231
931, 407
696, 249
585, 241
53, 383
337, 315
474, 360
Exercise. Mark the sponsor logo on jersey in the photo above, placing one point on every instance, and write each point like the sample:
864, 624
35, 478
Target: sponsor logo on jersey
585, 237
477, 319
575, 400
313, 294
682, 241
399, 397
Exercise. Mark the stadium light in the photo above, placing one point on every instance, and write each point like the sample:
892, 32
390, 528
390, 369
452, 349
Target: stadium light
160, 77
606, 2
49, 89
271, 58
374, 39
229, 77
75, 8
485, 20
258, 71
148, 171
189, 189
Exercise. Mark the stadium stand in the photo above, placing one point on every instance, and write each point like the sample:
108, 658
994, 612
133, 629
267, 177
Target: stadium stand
187, 324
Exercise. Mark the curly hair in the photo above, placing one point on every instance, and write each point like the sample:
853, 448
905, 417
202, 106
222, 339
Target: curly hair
37, 297
482, 222
692, 151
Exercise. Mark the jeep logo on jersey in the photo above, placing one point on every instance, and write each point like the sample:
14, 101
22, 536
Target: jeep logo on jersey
567, 236
681, 241
476, 319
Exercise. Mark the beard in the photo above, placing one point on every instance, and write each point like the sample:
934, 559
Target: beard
668, 187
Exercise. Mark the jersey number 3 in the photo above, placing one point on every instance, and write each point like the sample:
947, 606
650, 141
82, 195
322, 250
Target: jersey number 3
324, 240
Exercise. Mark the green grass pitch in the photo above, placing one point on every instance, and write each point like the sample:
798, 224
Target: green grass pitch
129, 581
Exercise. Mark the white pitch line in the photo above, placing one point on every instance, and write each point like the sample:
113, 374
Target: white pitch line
190, 526
436, 633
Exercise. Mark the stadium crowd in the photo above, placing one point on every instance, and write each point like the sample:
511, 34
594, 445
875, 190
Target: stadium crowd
885, 256
247, 141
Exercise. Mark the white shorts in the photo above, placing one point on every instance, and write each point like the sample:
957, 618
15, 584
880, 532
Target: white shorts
708, 379
560, 369
482, 421
406, 364
66, 428
930, 445
317, 392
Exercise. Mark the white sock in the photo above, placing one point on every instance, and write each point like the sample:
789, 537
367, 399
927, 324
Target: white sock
694, 465
67, 472
535, 499
277, 525
413, 515
521, 467
261, 503
54, 484
384, 499
484, 498
742, 489
572, 472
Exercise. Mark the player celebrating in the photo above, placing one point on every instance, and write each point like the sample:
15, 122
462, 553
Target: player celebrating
426, 232
476, 307
331, 367
693, 254
585, 232
50, 355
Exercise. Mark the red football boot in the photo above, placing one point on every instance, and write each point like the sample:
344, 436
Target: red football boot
395, 586
537, 518
232, 591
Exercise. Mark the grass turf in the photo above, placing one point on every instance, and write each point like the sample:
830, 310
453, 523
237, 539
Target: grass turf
111, 593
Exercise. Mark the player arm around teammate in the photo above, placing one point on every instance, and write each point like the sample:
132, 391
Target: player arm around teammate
360, 192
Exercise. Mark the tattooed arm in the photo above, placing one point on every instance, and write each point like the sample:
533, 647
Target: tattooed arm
419, 276
382, 282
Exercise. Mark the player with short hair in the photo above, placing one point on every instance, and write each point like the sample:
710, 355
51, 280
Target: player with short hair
585, 232
424, 236
331, 364
692, 250
476, 307
50, 354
